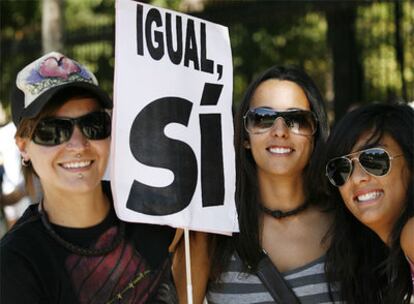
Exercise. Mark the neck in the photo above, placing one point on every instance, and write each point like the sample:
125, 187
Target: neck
281, 193
77, 211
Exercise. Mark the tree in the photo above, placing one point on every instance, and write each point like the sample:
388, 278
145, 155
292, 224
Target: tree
52, 26
347, 69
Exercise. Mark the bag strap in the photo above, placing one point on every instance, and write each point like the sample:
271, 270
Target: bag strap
274, 282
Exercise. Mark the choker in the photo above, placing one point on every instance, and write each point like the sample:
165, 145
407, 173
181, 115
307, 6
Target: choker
278, 214
75, 248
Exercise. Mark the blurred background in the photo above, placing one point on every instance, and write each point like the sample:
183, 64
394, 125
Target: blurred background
357, 51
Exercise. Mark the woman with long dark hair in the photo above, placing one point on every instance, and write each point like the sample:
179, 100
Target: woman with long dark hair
279, 125
370, 166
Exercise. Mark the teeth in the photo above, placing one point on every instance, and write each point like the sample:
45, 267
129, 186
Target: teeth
368, 196
76, 165
280, 150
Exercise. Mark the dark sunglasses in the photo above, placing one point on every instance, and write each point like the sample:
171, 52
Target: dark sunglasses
374, 161
54, 131
260, 120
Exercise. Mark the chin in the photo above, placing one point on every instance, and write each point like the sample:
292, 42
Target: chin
81, 186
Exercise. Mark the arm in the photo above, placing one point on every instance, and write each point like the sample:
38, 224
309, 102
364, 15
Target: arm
407, 239
200, 266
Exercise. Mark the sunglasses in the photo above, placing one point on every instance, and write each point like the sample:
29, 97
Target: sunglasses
374, 161
260, 120
54, 131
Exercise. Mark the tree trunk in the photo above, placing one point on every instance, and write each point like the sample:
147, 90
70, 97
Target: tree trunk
52, 25
399, 46
347, 69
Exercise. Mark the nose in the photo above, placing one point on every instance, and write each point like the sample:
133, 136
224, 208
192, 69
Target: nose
279, 128
358, 173
77, 141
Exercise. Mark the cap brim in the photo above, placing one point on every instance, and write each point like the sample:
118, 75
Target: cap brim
38, 104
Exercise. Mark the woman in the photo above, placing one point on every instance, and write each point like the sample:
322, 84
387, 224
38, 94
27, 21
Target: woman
370, 167
70, 247
280, 123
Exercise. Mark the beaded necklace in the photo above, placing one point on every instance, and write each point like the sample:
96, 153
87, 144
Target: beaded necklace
75, 248
278, 214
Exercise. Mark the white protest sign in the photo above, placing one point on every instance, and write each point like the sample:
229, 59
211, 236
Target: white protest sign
172, 139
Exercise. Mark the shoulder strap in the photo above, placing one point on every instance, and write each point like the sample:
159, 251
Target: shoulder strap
275, 283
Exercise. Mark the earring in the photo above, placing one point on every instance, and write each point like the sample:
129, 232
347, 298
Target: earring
25, 162
246, 144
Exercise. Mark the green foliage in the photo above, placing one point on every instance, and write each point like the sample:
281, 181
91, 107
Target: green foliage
376, 37
171, 4
301, 42
80, 14
18, 18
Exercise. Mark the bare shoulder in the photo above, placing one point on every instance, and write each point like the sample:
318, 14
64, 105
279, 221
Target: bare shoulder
407, 239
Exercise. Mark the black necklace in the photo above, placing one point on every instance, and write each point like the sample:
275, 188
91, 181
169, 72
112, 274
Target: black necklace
75, 248
278, 214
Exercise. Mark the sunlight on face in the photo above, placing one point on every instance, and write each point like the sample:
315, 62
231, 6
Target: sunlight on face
74, 166
279, 151
377, 201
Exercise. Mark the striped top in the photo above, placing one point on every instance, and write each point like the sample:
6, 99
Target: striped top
236, 287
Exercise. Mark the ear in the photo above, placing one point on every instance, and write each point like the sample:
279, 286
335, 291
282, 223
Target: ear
21, 143
246, 144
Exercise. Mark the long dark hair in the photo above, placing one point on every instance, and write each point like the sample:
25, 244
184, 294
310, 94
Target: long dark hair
248, 241
368, 271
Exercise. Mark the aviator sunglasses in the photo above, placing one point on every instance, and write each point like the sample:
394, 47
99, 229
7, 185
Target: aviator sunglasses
260, 120
374, 161
53, 131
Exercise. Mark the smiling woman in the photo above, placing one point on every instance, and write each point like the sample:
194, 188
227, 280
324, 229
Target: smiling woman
370, 165
70, 247
280, 124
71, 163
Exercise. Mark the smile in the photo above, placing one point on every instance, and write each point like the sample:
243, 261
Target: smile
280, 150
77, 165
369, 196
